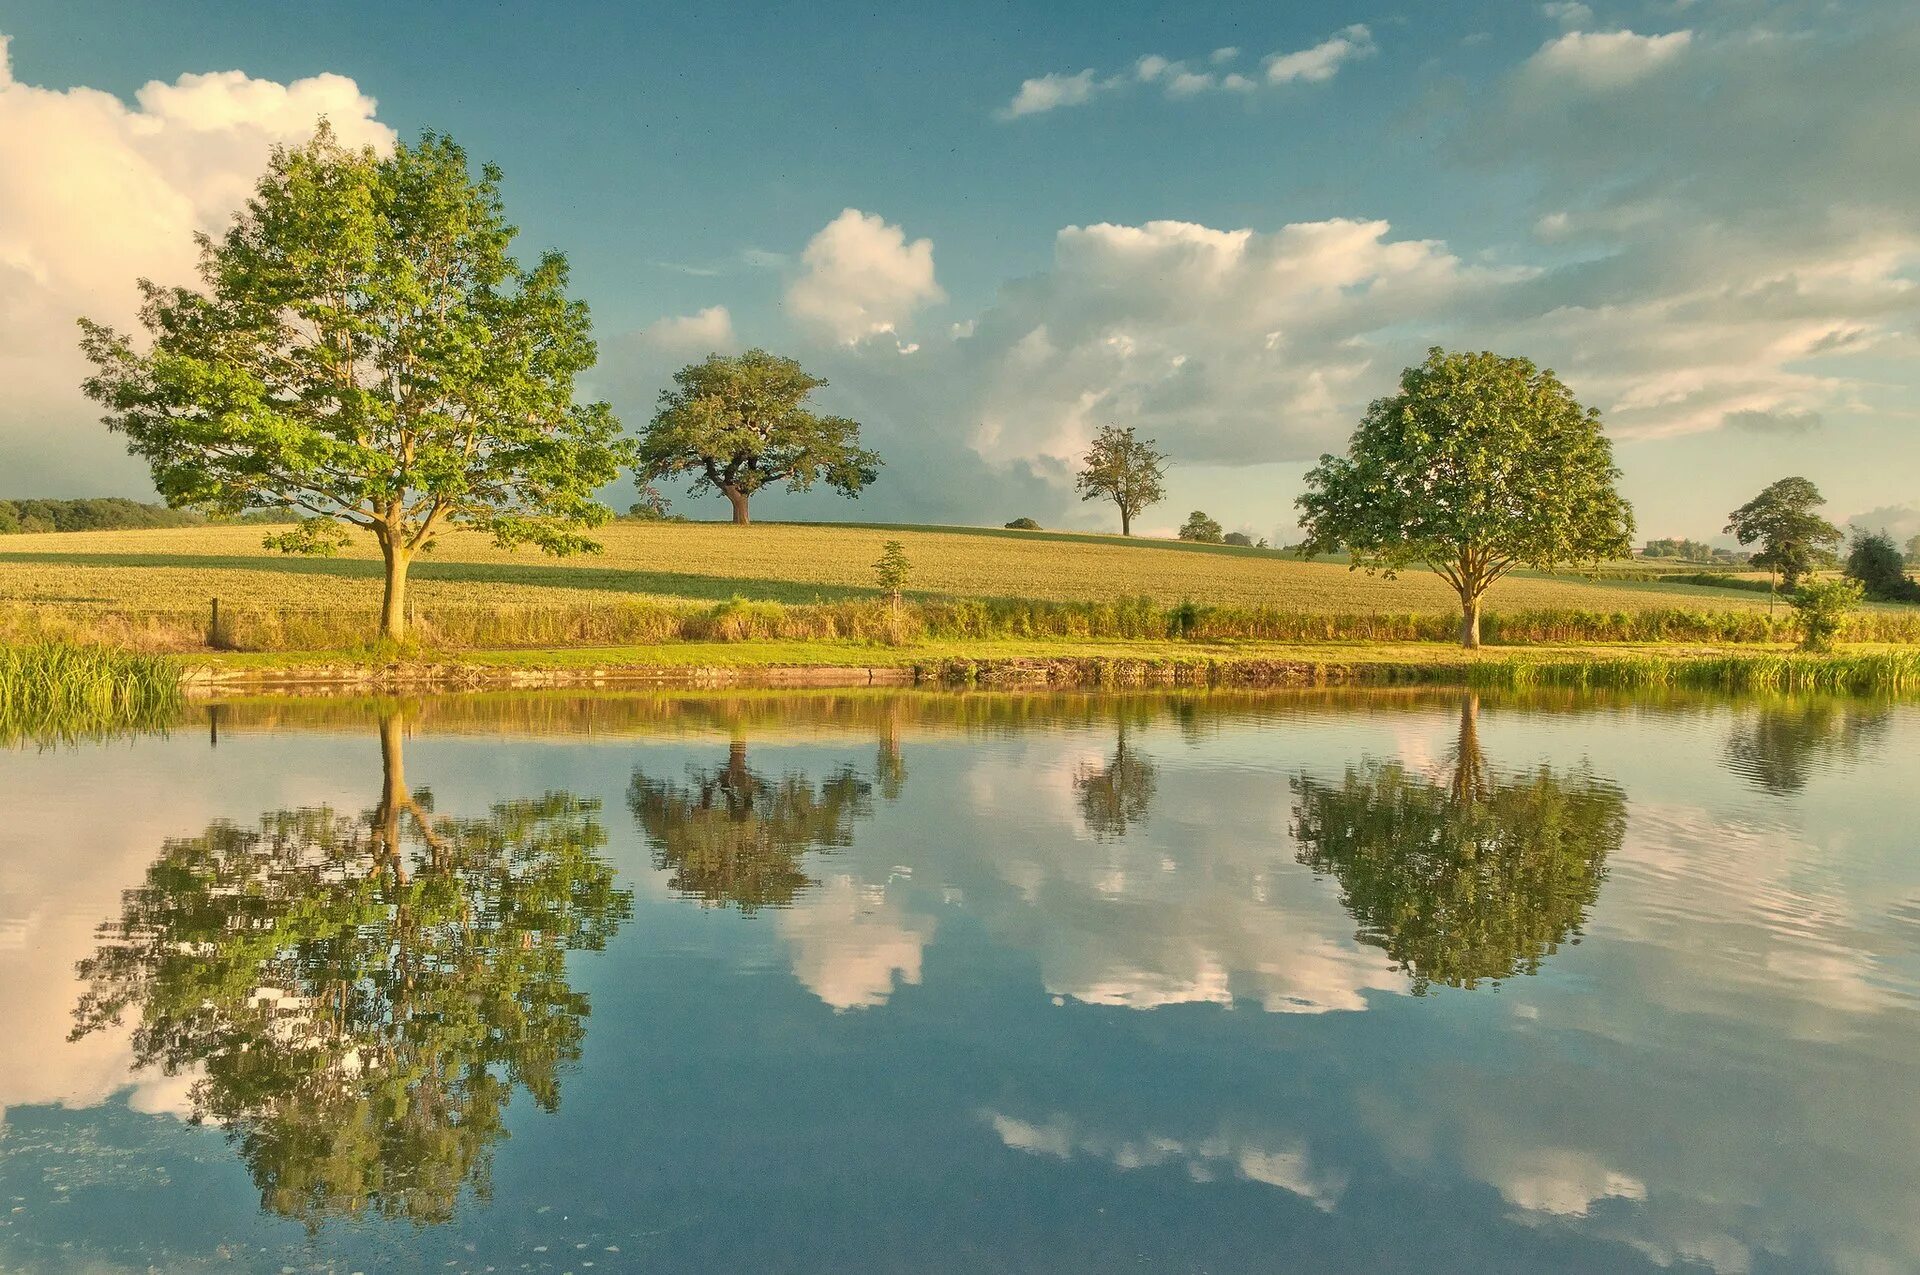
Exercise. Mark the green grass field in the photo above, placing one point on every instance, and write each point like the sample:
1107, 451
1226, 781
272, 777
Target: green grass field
178, 570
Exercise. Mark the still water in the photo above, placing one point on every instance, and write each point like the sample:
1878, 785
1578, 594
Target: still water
1302, 982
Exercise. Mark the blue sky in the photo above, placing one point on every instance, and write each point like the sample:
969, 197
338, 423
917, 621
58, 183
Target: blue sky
1706, 215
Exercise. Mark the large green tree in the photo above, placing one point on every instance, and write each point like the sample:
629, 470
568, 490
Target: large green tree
1476, 878
358, 998
1480, 464
364, 351
739, 422
1794, 539
1129, 471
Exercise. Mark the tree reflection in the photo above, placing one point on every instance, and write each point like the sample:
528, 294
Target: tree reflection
358, 998
1477, 878
1778, 746
1119, 794
731, 835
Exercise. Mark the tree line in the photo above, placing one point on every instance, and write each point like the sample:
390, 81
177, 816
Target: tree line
364, 352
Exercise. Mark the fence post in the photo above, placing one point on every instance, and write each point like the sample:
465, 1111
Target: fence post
213, 626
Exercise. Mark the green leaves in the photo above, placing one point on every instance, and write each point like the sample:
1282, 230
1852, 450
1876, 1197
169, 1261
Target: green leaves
1128, 471
1794, 539
739, 423
1479, 464
362, 348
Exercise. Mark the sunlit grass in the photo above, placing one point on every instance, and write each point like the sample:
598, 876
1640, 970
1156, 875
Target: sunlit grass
54, 691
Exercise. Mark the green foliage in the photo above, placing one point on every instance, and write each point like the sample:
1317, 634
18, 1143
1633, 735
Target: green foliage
1821, 609
1023, 524
1130, 472
107, 513
1913, 551
1876, 564
1117, 795
739, 422
1689, 551
653, 505
892, 570
356, 999
56, 691
364, 349
1793, 539
1202, 529
1241, 539
1475, 879
1480, 464
732, 836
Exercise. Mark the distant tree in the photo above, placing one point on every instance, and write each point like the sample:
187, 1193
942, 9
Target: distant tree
1913, 551
1776, 744
1873, 561
366, 353
1201, 529
1128, 471
1119, 794
100, 513
1792, 537
1023, 524
1240, 538
653, 506
892, 570
1821, 609
1480, 464
740, 422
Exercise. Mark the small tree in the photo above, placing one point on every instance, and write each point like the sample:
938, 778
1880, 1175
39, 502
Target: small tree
1793, 538
1876, 564
1239, 538
1201, 529
1479, 464
1821, 608
1023, 524
1913, 551
1128, 471
365, 353
740, 422
892, 570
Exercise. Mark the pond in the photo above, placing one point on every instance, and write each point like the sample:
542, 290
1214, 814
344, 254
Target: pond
1363, 981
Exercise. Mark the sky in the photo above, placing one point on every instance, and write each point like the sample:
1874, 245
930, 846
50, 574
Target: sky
995, 228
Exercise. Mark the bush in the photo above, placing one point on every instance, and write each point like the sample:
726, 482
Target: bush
1239, 538
1875, 563
1821, 608
1023, 524
1201, 529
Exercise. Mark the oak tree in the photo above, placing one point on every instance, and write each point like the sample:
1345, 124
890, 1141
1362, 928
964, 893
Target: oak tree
1793, 538
1480, 464
1129, 471
363, 351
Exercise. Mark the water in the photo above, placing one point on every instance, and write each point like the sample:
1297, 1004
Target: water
1372, 982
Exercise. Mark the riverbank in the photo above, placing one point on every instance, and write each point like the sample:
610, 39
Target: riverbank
1859, 669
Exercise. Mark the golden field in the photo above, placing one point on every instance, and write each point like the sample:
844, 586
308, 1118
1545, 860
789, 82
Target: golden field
176, 571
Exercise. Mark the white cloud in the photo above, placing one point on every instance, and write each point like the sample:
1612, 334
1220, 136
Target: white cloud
97, 194
1323, 61
1049, 92
1221, 56
850, 946
1150, 66
702, 332
1568, 13
862, 278
1605, 60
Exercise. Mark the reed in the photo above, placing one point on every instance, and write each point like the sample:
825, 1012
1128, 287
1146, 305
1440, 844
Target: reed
58, 691
1892, 672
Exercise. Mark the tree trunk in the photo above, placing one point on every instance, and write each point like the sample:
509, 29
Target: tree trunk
738, 499
1126, 522
393, 604
393, 795
1470, 621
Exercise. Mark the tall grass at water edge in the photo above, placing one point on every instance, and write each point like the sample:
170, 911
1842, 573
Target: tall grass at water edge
1893, 672
53, 691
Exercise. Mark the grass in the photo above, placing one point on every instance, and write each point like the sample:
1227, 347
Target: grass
1856, 673
176, 571
54, 691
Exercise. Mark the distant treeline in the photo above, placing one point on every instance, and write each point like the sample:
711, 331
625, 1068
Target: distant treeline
1691, 551
104, 513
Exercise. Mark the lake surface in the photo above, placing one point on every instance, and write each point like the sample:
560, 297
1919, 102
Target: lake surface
819, 982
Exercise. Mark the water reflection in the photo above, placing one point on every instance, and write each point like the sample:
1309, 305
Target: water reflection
1778, 745
1474, 879
1118, 794
357, 998
731, 835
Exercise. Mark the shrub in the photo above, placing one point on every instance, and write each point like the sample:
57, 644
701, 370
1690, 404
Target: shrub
892, 569
1201, 529
1875, 563
1240, 538
1821, 608
1023, 524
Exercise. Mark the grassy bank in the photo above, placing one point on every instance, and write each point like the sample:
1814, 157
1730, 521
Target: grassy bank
58, 691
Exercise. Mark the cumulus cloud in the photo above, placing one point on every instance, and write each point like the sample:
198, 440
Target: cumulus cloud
1568, 13
98, 193
1179, 79
1605, 60
861, 278
706, 331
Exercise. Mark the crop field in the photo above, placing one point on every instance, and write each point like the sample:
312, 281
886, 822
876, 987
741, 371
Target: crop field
179, 570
